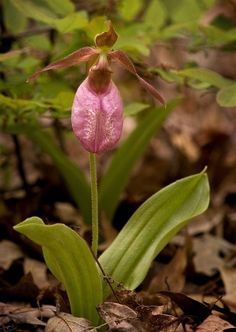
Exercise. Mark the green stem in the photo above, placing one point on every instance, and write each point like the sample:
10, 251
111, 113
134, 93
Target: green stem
94, 200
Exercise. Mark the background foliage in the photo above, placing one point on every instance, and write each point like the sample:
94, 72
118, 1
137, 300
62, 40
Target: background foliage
34, 33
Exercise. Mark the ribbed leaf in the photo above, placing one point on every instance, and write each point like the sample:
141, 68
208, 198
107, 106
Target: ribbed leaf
71, 261
151, 227
123, 161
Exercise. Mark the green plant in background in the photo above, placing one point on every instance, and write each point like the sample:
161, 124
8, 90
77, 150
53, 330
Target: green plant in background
55, 25
59, 28
97, 122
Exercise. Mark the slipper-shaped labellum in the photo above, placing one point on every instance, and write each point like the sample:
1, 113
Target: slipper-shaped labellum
97, 118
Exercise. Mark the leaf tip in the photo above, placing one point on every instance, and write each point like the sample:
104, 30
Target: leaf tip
204, 170
27, 222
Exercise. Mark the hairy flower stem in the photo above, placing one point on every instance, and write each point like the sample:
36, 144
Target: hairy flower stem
94, 201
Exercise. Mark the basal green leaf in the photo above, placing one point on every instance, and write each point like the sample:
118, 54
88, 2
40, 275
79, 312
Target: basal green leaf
123, 161
226, 97
151, 227
71, 261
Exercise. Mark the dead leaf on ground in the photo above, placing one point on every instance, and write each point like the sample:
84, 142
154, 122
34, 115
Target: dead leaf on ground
120, 317
185, 143
172, 274
38, 271
25, 315
68, 214
210, 253
214, 324
197, 311
108, 231
9, 252
67, 323
153, 321
229, 279
206, 222
24, 290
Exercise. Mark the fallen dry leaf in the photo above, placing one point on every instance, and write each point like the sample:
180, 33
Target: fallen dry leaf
9, 252
214, 324
116, 311
185, 143
25, 315
208, 251
23, 290
108, 231
197, 311
172, 274
229, 279
120, 317
38, 271
67, 323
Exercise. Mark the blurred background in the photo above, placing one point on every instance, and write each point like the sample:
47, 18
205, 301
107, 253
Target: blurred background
186, 48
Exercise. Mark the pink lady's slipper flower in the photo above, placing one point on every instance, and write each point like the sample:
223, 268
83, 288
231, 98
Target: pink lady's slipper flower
97, 111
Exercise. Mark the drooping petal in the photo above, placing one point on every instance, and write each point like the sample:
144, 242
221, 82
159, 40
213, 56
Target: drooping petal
122, 59
97, 119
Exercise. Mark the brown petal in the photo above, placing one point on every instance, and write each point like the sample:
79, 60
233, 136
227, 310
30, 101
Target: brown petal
107, 38
150, 88
75, 58
123, 60
126, 63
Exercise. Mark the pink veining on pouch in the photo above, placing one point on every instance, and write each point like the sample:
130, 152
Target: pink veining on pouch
97, 118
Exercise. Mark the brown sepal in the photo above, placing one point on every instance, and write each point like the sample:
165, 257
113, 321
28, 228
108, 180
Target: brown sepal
82, 55
107, 38
126, 63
